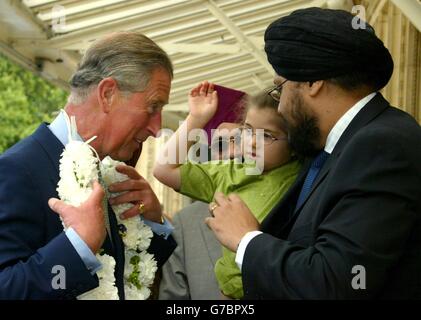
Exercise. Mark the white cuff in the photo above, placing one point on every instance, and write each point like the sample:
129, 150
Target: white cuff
243, 245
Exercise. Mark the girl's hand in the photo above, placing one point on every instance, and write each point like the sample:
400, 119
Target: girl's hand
203, 102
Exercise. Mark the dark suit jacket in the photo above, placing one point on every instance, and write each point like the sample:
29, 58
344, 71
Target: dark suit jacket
32, 240
364, 210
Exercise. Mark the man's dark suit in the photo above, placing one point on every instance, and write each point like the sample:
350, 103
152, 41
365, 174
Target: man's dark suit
32, 240
364, 209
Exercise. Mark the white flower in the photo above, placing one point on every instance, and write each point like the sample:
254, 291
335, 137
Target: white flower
131, 238
133, 293
145, 235
147, 268
79, 167
139, 269
106, 290
138, 235
109, 173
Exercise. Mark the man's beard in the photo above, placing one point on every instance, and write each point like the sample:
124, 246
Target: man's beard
303, 131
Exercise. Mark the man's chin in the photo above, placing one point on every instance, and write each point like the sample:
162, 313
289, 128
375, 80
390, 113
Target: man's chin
304, 143
134, 157
304, 149
304, 138
122, 155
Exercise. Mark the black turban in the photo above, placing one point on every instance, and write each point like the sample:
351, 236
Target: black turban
317, 44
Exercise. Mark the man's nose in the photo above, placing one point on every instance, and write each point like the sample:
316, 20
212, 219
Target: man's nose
154, 124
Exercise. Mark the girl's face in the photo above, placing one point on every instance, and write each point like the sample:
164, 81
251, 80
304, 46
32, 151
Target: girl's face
274, 144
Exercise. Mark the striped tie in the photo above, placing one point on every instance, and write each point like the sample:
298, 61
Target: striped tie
315, 167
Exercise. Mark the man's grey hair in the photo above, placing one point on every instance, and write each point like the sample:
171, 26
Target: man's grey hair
127, 57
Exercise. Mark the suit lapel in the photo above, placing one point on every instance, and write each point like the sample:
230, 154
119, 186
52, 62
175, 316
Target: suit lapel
52, 147
373, 108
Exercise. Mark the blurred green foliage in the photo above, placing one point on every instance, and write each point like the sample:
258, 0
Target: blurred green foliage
26, 100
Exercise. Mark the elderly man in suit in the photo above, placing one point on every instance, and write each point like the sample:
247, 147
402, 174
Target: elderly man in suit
118, 92
350, 226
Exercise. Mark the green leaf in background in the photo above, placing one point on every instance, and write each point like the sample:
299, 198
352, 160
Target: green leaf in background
26, 100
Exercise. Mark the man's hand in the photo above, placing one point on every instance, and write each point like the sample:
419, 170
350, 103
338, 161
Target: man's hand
231, 220
87, 219
136, 190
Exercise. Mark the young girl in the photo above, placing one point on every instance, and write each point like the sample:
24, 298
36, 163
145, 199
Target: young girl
200, 181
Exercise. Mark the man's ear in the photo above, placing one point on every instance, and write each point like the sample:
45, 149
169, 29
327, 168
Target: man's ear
314, 87
106, 92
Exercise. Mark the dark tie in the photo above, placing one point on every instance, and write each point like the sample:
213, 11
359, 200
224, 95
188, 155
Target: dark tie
315, 167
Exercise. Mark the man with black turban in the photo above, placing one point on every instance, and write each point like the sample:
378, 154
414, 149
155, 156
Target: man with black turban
350, 226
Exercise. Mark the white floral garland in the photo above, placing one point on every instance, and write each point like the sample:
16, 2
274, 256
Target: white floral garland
79, 166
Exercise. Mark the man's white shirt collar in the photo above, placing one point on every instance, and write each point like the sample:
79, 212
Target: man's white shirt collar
343, 123
59, 128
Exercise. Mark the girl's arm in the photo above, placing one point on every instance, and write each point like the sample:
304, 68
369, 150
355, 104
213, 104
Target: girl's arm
203, 102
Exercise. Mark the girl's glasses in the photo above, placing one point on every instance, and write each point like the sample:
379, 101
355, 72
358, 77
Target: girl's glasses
268, 138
